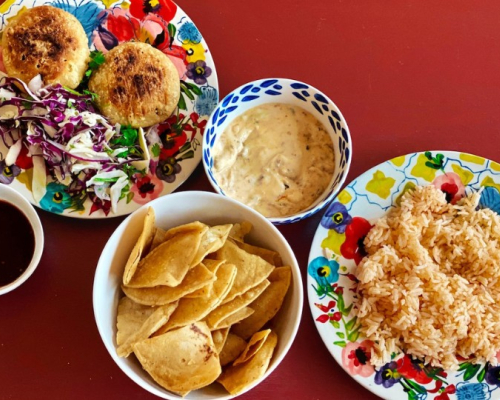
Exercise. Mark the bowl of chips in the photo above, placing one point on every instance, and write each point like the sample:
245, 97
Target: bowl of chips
197, 296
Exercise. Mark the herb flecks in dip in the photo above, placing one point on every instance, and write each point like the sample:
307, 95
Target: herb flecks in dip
276, 158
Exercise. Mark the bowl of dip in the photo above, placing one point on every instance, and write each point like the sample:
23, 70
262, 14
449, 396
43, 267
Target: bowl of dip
21, 239
279, 146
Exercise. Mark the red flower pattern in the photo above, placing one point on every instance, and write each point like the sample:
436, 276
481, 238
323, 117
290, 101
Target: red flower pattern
353, 248
163, 8
413, 369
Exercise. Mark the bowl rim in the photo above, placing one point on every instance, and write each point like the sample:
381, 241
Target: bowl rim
120, 231
318, 207
23, 205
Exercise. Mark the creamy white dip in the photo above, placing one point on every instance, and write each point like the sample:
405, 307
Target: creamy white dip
276, 158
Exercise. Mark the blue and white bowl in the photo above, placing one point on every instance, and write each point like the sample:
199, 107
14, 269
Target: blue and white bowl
288, 91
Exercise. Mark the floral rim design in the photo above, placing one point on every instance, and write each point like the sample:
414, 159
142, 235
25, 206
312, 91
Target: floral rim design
337, 248
174, 145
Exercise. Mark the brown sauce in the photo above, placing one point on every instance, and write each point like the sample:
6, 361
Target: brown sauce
17, 243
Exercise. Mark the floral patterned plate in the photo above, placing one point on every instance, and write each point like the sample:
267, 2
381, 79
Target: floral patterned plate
336, 250
176, 150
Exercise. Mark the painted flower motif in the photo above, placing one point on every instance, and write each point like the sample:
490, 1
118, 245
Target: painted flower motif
163, 8
323, 271
452, 186
146, 188
333, 241
99, 204
450, 389
188, 32
198, 72
207, 101
388, 375
380, 185
356, 358
8, 173
171, 136
329, 312
56, 198
167, 169
413, 369
470, 391
194, 51
336, 218
422, 170
355, 233
493, 376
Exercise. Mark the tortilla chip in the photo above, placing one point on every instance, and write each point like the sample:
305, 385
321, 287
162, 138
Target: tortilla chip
158, 238
239, 231
237, 377
219, 337
192, 310
192, 226
234, 318
233, 347
252, 270
150, 326
212, 266
225, 310
272, 257
267, 304
213, 239
130, 317
168, 264
253, 346
181, 360
196, 278
141, 247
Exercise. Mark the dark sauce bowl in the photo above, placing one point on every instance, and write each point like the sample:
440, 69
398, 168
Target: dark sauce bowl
18, 218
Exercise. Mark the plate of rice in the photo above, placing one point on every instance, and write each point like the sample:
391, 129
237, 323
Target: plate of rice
404, 277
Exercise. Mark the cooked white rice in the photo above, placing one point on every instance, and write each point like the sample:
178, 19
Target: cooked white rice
430, 284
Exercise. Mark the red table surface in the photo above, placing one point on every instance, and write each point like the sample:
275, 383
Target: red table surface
407, 75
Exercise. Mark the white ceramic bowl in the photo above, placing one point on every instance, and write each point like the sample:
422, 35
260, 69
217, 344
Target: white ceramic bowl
173, 210
11, 196
279, 90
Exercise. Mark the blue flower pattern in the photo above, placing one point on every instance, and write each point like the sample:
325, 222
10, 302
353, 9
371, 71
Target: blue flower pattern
336, 218
324, 271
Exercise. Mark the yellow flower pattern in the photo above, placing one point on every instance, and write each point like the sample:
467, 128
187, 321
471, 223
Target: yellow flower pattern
408, 186
195, 51
380, 185
472, 159
488, 181
333, 241
344, 197
465, 175
420, 170
398, 161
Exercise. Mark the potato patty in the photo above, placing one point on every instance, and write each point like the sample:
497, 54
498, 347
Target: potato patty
48, 41
137, 85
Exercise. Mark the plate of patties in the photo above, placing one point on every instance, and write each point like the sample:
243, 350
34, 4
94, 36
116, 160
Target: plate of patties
102, 104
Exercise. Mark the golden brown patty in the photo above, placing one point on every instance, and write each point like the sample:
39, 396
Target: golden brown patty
137, 85
47, 41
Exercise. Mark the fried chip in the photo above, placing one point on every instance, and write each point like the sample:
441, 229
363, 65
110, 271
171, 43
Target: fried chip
252, 269
272, 257
181, 360
267, 304
212, 266
195, 279
129, 319
239, 231
156, 320
168, 263
237, 377
213, 239
233, 347
232, 319
225, 310
141, 247
219, 337
192, 310
158, 238
192, 226
253, 346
